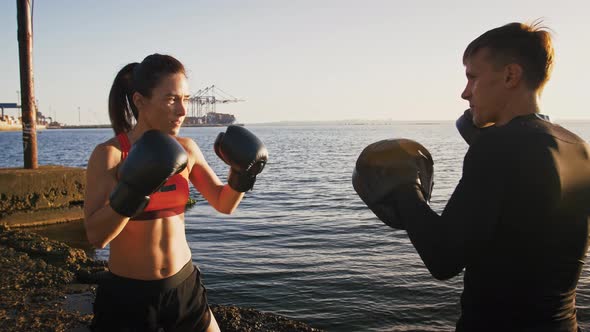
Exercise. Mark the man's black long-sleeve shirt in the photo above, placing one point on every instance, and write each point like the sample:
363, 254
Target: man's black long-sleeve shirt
517, 223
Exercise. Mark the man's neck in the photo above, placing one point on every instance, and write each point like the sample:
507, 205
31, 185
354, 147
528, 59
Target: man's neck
524, 104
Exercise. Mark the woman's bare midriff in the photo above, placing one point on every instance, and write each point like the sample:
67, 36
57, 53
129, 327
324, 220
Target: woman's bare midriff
150, 249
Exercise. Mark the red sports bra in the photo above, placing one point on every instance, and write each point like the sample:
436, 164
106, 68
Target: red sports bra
170, 199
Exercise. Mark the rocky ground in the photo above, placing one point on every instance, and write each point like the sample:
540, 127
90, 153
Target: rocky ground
45, 285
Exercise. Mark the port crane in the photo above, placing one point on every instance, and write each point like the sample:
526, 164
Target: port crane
205, 100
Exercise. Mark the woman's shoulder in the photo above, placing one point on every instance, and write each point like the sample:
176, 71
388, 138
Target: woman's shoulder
188, 143
108, 151
110, 145
193, 150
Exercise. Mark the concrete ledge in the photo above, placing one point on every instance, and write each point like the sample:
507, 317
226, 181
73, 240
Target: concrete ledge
49, 194
43, 217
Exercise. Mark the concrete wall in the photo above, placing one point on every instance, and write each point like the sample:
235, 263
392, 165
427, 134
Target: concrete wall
49, 194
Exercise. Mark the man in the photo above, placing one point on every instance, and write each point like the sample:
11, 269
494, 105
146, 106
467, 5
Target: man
517, 222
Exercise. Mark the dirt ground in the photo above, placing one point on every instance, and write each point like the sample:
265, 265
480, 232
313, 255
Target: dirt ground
45, 285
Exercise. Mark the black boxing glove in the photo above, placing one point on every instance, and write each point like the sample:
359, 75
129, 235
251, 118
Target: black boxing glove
151, 161
384, 168
468, 130
244, 153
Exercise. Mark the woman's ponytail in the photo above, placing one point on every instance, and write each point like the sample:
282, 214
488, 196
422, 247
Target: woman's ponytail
122, 111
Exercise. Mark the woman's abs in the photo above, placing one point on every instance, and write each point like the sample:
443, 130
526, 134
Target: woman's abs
150, 250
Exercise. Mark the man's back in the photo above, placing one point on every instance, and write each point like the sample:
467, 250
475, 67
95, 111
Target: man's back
527, 274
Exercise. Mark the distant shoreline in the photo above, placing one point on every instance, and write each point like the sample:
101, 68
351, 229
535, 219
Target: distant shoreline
102, 126
109, 126
288, 124
18, 127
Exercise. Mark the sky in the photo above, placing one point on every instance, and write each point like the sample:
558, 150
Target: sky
289, 60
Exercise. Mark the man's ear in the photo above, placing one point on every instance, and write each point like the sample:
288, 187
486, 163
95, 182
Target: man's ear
512, 75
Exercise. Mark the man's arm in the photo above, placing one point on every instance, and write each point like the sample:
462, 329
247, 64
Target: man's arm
446, 243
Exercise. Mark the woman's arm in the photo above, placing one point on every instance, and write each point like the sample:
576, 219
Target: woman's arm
221, 197
101, 222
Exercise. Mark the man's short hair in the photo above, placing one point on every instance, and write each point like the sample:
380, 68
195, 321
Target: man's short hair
528, 45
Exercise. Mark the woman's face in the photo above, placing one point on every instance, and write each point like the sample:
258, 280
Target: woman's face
166, 109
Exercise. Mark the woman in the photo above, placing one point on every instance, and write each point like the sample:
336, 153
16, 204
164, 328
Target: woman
137, 205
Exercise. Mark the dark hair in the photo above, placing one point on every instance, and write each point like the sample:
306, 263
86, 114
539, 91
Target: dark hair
528, 45
137, 77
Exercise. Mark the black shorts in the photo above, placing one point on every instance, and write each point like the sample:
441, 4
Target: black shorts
176, 303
